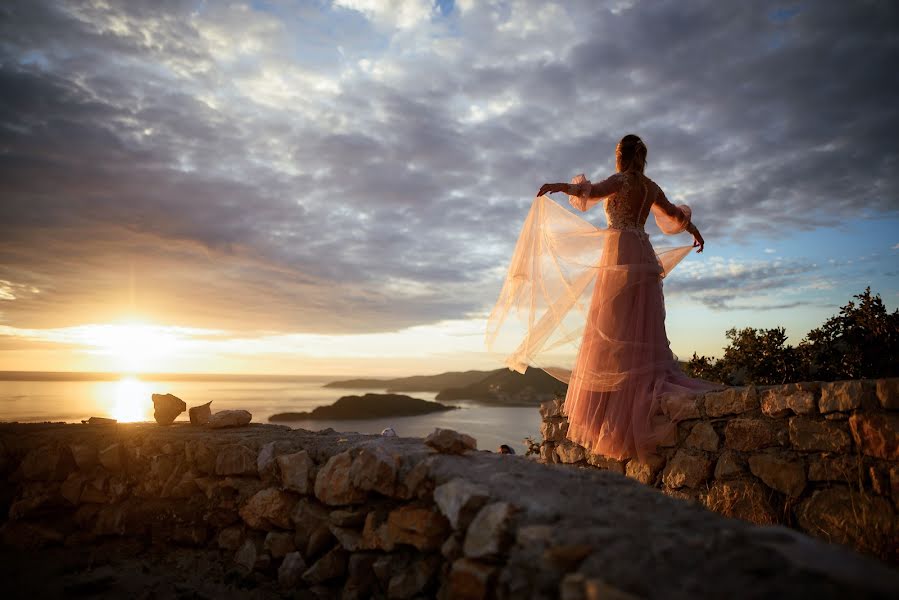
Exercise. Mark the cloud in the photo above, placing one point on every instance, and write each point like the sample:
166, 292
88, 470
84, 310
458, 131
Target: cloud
367, 166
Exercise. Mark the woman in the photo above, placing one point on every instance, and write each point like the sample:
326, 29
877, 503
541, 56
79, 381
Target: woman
599, 292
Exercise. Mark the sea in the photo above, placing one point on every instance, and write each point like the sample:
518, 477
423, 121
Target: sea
35, 397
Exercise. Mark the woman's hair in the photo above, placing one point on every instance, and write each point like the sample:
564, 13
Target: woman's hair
630, 154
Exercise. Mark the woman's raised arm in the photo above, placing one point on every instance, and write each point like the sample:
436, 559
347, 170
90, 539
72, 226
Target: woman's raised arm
673, 219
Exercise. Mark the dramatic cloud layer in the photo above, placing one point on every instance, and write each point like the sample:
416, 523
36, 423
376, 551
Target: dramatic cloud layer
365, 166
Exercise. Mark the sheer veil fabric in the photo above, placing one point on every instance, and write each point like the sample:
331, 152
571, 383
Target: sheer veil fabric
585, 304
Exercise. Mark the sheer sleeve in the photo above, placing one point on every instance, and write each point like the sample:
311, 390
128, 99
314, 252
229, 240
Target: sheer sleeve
587, 194
671, 219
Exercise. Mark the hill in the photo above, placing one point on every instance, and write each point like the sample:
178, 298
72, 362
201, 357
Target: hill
369, 406
415, 383
509, 387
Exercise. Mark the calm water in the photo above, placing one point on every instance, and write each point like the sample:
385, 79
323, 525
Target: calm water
128, 399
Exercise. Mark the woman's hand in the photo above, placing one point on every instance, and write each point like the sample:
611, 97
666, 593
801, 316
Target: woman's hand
552, 188
697, 239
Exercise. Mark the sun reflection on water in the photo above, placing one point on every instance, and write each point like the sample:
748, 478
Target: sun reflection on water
131, 401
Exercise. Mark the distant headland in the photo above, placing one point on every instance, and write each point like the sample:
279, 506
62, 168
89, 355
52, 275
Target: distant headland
369, 406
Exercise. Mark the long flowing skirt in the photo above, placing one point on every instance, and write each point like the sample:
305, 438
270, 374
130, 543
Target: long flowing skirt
586, 305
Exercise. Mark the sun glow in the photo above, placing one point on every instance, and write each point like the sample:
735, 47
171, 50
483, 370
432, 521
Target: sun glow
131, 401
133, 347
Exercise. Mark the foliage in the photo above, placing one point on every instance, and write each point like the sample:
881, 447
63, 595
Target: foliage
860, 342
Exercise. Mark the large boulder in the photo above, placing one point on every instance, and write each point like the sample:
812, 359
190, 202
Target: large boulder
200, 415
167, 407
230, 418
448, 441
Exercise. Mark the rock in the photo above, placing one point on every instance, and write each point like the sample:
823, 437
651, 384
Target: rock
844, 395
548, 453
349, 539
85, 456
199, 415
686, 470
894, 484
290, 572
569, 452
876, 434
880, 480
645, 471
808, 434
230, 538
413, 579
447, 441
308, 516
279, 543
566, 557
269, 508
843, 516
782, 400
682, 406
417, 483
422, 528
99, 421
266, 466
236, 459
460, 500
320, 540
783, 474
388, 432
838, 467
361, 580
201, 456
489, 534
251, 555
604, 462
112, 458
751, 434
347, 518
471, 580
71, 488
888, 393
703, 437
330, 566
375, 469
451, 549
728, 465
374, 532
333, 484
229, 418
554, 430
166, 407
297, 472
48, 464
747, 500
597, 589
551, 408
731, 401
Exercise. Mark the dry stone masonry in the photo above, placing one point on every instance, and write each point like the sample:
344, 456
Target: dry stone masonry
822, 458
296, 513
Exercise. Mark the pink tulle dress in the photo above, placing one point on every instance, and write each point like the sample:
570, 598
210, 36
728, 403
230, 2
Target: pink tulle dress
585, 304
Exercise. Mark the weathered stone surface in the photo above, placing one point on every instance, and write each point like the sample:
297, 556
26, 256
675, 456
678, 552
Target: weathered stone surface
413, 579
551, 408
646, 471
784, 474
569, 452
548, 453
888, 393
843, 516
747, 500
347, 518
361, 580
201, 456
235, 459
686, 470
844, 395
349, 539
229, 418
85, 456
894, 484
554, 431
48, 464
880, 480
451, 549
731, 401
447, 441
279, 543
808, 434
307, 517
606, 463
290, 573
230, 538
112, 457
297, 472
375, 469
320, 540
471, 579
460, 500
251, 556
833, 467
200, 415
752, 434
269, 508
333, 484
374, 532
330, 566
597, 589
728, 465
489, 533
876, 434
167, 407
416, 526
703, 437
680, 407
417, 483
783, 400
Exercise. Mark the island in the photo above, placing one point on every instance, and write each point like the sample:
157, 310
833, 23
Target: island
509, 388
415, 383
369, 406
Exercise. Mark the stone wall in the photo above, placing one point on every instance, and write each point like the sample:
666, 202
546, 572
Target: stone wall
822, 458
345, 515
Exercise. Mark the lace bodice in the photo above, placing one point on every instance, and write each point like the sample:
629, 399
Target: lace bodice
631, 197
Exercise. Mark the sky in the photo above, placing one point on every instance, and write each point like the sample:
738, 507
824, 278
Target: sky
337, 186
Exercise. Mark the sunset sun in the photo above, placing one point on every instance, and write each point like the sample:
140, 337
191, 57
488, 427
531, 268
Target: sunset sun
133, 347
